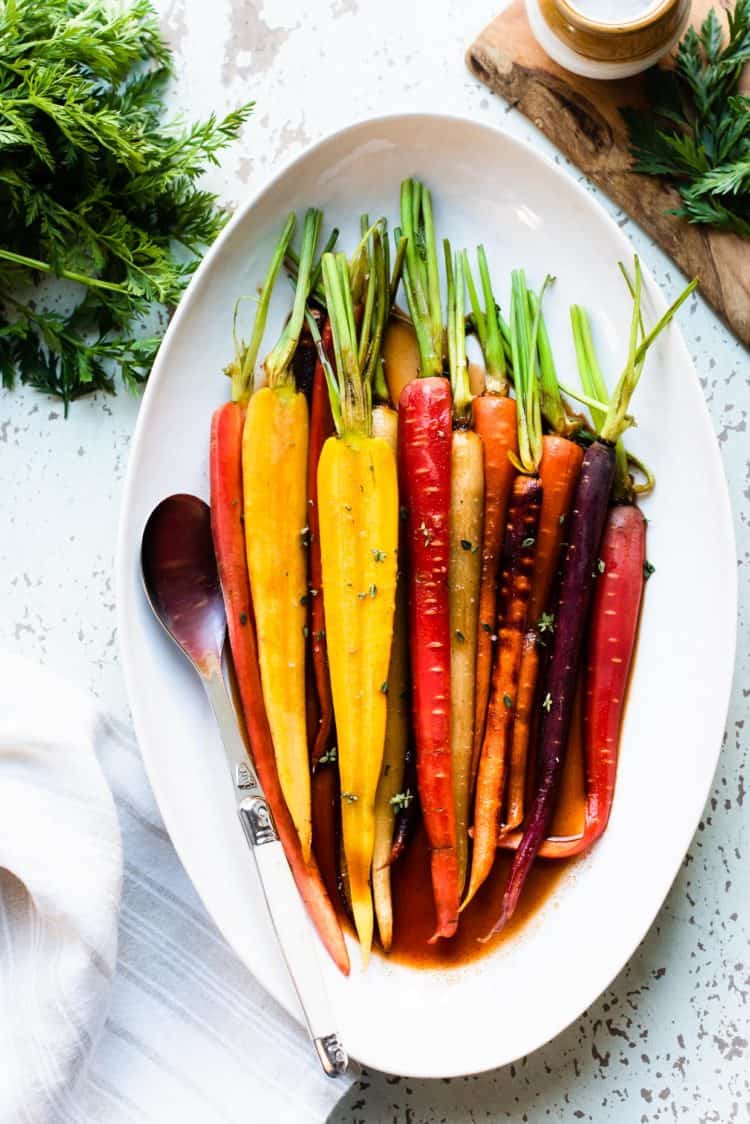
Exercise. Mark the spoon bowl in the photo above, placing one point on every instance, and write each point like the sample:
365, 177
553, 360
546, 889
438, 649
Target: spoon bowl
178, 566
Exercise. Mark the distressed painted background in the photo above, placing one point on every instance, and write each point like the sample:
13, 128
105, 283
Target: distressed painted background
668, 1040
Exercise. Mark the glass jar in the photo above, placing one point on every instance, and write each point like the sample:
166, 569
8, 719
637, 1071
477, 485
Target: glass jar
607, 38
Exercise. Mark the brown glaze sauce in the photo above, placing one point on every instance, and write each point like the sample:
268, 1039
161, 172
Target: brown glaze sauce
414, 915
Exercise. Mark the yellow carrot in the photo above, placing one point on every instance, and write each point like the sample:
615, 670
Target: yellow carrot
358, 506
465, 559
274, 467
390, 786
466, 518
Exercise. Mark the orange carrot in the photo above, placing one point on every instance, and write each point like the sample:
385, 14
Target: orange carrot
523, 518
522, 728
558, 472
496, 421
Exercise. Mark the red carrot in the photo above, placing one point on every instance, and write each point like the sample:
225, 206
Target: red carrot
424, 447
321, 428
614, 625
424, 436
229, 543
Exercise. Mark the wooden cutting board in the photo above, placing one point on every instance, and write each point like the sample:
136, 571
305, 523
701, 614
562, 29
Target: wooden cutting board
581, 116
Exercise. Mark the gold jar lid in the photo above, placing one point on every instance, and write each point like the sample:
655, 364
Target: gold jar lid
651, 27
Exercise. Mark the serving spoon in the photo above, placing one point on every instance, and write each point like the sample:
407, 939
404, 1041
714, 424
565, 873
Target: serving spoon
181, 581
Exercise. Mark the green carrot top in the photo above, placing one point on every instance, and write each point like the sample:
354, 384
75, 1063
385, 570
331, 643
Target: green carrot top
487, 322
617, 419
242, 370
457, 362
357, 350
420, 275
524, 336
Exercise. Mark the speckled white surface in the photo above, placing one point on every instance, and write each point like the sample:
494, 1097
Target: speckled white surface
669, 1040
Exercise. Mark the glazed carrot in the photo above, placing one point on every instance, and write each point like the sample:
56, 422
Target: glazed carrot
424, 454
424, 470
518, 564
358, 503
515, 590
558, 471
466, 518
274, 459
321, 428
390, 794
226, 525
559, 467
496, 422
614, 625
527, 679
588, 516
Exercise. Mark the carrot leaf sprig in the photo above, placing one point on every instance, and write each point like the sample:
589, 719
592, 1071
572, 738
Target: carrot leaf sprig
278, 362
487, 322
376, 305
242, 370
617, 419
595, 390
421, 277
291, 262
551, 401
356, 352
457, 362
524, 335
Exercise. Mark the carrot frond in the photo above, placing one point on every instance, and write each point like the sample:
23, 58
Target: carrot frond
243, 368
278, 361
551, 400
357, 353
420, 276
459, 367
524, 334
618, 419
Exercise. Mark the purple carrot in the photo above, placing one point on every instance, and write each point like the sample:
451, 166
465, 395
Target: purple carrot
408, 814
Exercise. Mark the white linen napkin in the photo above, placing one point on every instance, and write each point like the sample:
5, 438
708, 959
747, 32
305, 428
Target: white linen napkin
170, 1027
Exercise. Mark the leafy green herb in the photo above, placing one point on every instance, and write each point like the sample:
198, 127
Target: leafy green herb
379, 555
529, 541
460, 636
507, 701
648, 569
401, 800
547, 622
466, 544
96, 189
384, 687
547, 702
329, 757
350, 797
696, 129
